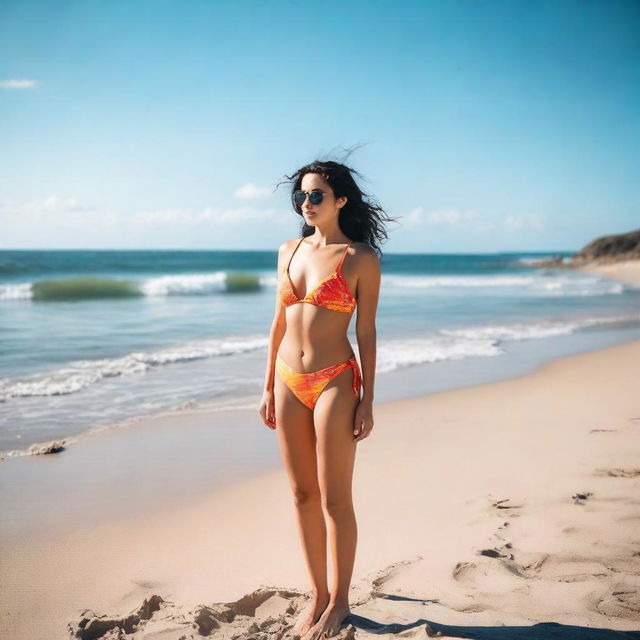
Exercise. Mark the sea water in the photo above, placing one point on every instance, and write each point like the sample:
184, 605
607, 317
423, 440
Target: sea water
96, 339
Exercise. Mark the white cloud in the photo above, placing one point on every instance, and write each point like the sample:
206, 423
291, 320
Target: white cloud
249, 191
472, 220
523, 221
70, 208
447, 218
452, 217
17, 84
414, 217
208, 215
64, 221
55, 212
46, 207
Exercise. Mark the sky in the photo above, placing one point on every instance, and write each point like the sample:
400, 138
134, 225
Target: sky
481, 125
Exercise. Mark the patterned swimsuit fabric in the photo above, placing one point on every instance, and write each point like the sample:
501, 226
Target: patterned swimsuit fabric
331, 293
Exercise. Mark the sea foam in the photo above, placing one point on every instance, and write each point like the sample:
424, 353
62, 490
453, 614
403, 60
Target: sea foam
79, 374
446, 344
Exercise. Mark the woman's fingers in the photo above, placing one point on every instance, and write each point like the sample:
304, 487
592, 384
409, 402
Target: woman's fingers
267, 416
362, 431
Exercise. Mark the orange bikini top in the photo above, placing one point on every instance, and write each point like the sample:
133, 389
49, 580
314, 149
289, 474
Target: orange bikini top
331, 292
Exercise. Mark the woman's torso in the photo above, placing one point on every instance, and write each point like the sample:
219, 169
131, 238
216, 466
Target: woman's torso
315, 336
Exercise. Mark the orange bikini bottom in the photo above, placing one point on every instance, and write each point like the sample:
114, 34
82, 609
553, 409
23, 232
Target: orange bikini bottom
307, 387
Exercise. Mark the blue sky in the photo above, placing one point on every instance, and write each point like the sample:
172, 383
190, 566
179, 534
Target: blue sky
500, 125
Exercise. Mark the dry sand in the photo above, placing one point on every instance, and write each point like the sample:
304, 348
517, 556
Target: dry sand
469, 513
627, 270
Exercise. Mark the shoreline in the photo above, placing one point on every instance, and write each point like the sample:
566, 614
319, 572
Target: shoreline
624, 270
44, 439
503, 453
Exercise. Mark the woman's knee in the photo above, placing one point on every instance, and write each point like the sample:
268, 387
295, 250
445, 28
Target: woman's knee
306, 496
337, 507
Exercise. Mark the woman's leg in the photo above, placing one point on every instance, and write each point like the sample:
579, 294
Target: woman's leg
333, 419
297, 441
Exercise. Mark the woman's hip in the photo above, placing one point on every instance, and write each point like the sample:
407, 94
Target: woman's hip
351, 360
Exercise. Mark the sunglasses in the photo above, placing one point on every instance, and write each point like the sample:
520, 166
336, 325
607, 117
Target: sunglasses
315, 197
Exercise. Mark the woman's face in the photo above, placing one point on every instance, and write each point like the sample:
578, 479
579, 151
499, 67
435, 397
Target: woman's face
327, 209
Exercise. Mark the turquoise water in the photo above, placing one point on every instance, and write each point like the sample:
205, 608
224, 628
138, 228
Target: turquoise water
89, 339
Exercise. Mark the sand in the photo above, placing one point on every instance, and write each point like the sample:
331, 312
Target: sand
501, 510
626, 270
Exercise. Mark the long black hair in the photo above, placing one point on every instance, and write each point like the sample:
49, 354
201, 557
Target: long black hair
361, 219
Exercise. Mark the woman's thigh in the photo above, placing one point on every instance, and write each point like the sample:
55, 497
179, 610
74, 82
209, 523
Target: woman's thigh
297, 441
333, 419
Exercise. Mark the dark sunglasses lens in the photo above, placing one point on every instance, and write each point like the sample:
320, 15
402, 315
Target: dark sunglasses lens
316, 197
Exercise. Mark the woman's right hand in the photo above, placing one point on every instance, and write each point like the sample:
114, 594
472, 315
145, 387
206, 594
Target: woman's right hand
267, 409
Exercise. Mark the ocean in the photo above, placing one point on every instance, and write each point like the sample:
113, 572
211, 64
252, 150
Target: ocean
94, 340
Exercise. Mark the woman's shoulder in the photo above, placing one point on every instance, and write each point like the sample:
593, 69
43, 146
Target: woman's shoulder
287, 245
364, 252
365, 260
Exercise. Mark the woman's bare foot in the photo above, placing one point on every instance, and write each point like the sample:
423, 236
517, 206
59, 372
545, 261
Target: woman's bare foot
330, 621
309, 615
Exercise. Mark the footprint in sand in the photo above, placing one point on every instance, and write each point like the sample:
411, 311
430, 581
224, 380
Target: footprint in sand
388, 573
519, 563
581, 498
504, 504
524, 564
617, 472
562, 568
508, 507
389, 583
622, 600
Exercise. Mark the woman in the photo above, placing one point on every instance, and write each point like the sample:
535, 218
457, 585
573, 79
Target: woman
315, 399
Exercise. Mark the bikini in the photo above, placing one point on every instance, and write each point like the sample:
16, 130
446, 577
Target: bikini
331, 293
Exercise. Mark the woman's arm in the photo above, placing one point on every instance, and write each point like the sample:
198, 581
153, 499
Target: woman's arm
367, 292
278, 326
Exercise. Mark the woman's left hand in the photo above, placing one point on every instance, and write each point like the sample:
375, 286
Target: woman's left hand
363, 422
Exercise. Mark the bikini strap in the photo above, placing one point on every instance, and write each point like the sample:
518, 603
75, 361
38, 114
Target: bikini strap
291, 256
339, 267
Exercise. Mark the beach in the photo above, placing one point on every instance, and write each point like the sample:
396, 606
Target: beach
510, 504
625, 270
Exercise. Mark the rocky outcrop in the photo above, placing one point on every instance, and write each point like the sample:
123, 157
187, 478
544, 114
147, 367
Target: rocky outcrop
604, 250
624, 246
